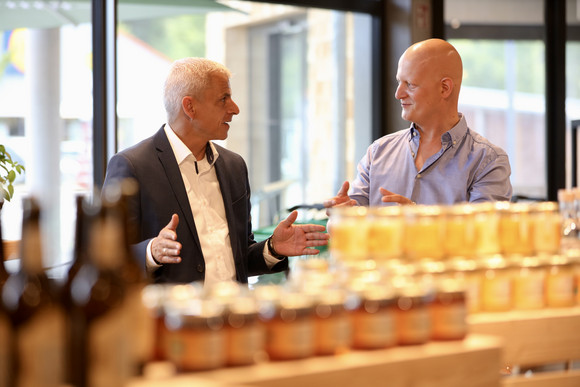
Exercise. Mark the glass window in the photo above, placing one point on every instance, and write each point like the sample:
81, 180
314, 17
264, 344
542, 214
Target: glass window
293, 79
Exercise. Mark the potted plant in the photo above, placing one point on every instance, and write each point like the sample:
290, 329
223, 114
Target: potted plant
9, 169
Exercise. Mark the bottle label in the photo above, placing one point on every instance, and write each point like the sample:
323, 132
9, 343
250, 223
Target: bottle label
40, 346
375, 329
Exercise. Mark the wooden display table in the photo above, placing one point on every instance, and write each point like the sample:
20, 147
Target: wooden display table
474, 361
535, 338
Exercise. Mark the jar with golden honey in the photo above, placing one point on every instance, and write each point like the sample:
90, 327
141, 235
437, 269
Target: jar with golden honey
385, 233
424, 232
459, 239
448, 311
195, 338
469, 275
560, 282
374, 317
496, 285
486, 224
529, 277
413, 317
546, 228
348, 231
515, 234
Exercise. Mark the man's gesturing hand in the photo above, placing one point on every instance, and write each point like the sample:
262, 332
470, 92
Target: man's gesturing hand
294, 239
165, 248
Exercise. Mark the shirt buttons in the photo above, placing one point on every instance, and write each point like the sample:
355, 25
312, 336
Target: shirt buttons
413, 154
454, 142
418, 176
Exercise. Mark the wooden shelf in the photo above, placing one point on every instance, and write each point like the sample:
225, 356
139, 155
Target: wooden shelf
474, 361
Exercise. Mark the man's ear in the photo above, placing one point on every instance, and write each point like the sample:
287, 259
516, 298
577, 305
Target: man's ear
446, 87
188, 106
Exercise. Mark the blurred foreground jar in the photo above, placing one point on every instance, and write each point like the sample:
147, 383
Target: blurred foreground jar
244, 332
374, 319
529, 278
559, 282
424, 232
332, 322
448, 311
486, 222
496, 285
290, 327
385, 233
36, 315
459, 239
348, 234
413, 315
570, 231
515, 232
470, 276
195, 338
546, 227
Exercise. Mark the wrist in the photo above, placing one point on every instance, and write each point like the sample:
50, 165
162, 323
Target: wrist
273, 252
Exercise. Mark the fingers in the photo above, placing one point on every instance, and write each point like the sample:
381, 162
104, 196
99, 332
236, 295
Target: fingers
343, 191
290, 219
165, 248
391, 197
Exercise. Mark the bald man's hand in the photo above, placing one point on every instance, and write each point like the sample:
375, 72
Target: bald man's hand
164, 247
391, 197
341, 198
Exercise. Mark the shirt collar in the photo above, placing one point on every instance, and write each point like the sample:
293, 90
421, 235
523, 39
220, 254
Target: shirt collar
453, 135
181, 151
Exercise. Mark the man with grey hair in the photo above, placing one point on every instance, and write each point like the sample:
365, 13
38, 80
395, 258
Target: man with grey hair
192, 211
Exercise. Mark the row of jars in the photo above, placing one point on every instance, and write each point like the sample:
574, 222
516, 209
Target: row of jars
200, 329
440, 232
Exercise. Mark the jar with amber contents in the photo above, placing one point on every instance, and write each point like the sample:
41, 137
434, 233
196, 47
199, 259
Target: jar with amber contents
413, 318
529, 277
469, 274
424, 231
560, 282
195, 339
515, 234
155, 298
348, 228
385, 233
289, 322
373, 318
332, 322
245, 333
496, 285
459, 240
486, 225
546, 227
448, 311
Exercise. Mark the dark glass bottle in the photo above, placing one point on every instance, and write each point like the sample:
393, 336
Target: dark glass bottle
35, 313
100, 350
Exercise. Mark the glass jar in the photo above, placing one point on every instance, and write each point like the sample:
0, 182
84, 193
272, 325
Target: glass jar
348, 234
424, 232
560, 282
245, 333
546, 228
413, 318
333, 329
469, 275
486, 224
529, 277
195, 338
496, 285
459, 240
289, 322
385, 233
515, 236
373, 319
449, 311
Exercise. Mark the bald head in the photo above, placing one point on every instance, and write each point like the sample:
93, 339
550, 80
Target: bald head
437, 58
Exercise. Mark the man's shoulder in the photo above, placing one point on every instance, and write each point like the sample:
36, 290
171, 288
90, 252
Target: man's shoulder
482, 143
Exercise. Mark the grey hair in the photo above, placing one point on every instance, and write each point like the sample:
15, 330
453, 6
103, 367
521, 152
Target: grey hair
188, 77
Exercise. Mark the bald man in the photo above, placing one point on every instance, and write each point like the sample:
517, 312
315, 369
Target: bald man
439, 159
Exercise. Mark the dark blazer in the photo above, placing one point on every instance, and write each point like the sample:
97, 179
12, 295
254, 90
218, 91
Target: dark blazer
162, 193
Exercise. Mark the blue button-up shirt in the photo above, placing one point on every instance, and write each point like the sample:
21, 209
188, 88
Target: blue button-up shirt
467, 168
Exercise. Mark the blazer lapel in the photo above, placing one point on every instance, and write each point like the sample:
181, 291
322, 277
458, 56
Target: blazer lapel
222, 172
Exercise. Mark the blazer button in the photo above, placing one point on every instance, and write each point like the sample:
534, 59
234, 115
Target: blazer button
200, 268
